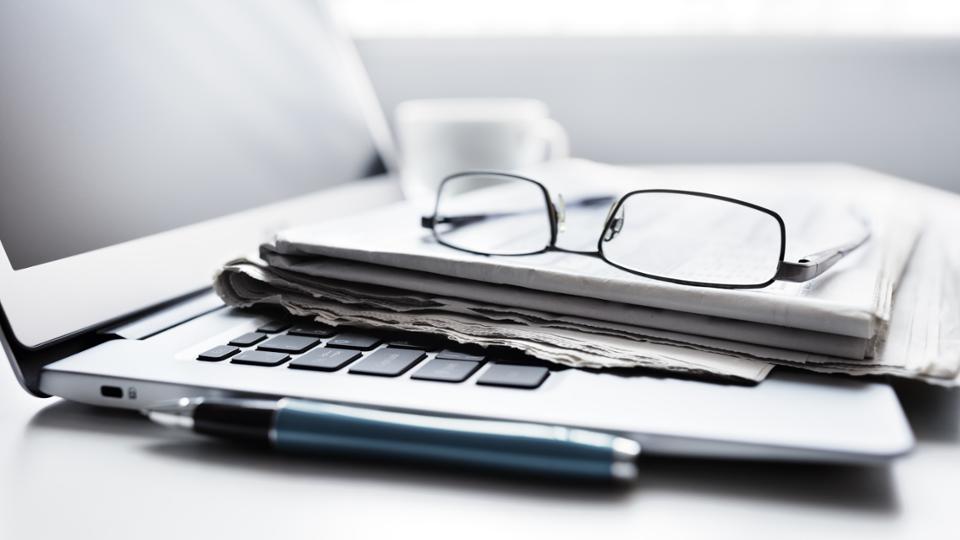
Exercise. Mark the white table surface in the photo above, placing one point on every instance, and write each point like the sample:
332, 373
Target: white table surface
72, 471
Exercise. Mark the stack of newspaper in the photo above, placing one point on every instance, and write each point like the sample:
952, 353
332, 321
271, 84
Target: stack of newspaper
890, 308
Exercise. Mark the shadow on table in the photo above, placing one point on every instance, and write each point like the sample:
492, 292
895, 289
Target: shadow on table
852, 488
933, 411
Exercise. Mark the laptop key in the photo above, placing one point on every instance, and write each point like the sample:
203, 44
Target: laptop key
457, 355
219, 353
249, 339
325, 359
311, 330
514, 376
289, 344
273, 327
354, 341
443, 370
388, 362
260, 358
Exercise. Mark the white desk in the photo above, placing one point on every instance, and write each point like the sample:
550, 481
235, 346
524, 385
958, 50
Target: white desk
71, 471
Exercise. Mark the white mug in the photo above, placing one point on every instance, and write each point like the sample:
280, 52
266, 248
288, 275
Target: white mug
439, 137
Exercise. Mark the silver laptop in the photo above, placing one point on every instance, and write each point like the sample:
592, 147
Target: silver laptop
145, 143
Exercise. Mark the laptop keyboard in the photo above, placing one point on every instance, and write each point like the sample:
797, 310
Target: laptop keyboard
311, 347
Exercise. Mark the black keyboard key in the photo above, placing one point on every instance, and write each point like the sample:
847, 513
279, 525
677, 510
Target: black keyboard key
458, 355
442, 370
349, 340
325, 359
217, 354
311, 330
514, 376
388, 362
289, 344
260, 358
248, 339
273, 327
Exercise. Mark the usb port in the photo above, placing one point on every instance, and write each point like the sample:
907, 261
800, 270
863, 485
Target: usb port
111, 391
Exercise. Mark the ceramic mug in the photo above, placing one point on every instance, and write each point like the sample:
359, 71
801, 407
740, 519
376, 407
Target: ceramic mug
439, 137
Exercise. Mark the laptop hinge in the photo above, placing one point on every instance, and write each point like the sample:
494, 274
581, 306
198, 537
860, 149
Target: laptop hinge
168, 317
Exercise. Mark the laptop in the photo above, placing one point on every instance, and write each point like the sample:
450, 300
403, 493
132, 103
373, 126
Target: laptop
146, 143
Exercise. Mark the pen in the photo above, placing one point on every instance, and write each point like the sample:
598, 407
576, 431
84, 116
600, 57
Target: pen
311, 427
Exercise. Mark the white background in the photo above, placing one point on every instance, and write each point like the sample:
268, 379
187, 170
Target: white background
70, 471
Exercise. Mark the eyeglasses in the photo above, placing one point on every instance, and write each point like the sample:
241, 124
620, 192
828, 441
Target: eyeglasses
684, 237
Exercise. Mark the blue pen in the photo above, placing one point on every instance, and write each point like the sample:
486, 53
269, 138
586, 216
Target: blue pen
301, 426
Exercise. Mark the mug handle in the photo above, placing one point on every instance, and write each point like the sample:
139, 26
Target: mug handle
555, 135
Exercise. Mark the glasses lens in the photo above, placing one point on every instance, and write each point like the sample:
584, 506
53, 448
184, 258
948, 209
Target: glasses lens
492, 214
693, 238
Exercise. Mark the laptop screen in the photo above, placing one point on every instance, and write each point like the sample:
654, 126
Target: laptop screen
121, 119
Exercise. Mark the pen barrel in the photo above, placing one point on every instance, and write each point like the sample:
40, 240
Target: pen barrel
325, 429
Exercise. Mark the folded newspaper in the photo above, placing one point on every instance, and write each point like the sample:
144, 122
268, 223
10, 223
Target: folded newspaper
889, 308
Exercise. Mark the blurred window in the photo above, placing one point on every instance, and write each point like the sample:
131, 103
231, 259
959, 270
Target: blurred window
431, 18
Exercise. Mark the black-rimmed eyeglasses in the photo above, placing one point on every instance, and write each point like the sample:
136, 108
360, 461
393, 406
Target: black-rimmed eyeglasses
684, 237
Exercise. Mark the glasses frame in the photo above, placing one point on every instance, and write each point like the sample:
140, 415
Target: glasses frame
552, 215
804, 269
619, 204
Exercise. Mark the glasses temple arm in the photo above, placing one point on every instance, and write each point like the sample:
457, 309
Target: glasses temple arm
817, 263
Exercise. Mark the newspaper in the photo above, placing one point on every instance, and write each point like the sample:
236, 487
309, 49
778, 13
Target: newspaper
923, 340
587, 312
247, 282
853, 300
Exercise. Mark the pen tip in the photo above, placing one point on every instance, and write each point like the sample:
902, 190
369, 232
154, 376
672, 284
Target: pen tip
175, 413
170, 419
